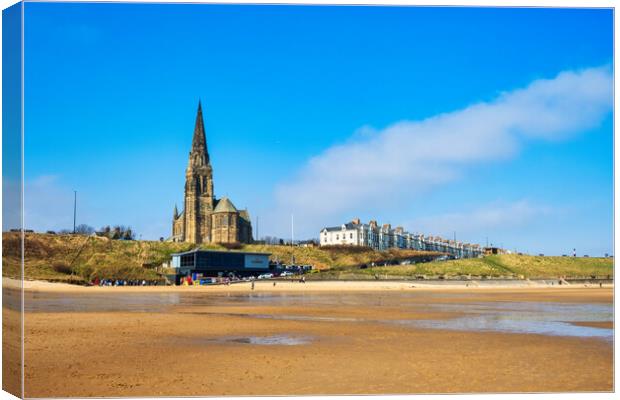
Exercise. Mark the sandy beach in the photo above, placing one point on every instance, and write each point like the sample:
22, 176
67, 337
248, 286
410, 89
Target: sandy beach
295, 285
313, 338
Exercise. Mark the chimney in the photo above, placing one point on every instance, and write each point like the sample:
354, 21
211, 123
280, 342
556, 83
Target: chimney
356, 221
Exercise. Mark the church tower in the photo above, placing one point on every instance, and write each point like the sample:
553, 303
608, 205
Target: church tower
204, 218
198, 187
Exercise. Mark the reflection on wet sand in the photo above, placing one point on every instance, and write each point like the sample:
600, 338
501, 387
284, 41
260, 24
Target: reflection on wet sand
512, 317
272, 340
525, 317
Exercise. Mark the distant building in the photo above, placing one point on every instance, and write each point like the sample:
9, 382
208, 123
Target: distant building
494, 250
206, 219
219, 263
356, 233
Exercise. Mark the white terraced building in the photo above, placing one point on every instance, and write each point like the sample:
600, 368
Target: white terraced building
383, 237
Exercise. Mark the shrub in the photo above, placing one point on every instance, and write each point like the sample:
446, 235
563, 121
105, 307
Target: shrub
84, 229
62, 268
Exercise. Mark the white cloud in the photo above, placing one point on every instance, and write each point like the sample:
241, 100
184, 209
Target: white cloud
401, 161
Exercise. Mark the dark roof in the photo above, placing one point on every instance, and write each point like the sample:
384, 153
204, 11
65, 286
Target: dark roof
348, 225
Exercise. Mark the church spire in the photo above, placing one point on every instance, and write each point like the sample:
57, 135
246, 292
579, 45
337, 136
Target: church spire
176, 212
199, 143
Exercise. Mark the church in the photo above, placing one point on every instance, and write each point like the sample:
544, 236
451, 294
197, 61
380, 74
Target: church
204, 218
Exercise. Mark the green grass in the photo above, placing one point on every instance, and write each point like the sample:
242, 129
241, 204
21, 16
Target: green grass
508, 265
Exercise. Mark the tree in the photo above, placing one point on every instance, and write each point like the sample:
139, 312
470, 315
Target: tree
118, 232
84, 229
128, 234
269, 240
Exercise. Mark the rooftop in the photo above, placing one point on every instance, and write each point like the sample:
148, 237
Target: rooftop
225, 205
219, 251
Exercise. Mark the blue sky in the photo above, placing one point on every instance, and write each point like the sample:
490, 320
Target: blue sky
300, 104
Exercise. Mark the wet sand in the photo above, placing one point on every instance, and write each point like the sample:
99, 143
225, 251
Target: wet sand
595, 324
232, 343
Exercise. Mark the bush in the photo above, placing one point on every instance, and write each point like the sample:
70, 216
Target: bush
118, 232
84, 229
62, 268
86, 272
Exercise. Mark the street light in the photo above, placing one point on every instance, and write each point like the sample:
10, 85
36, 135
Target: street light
74, 208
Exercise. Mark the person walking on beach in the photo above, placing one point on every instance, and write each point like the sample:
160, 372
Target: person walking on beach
252, 285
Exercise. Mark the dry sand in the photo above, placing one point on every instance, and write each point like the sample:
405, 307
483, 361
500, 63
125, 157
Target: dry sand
295, 285
185, 351
11, 352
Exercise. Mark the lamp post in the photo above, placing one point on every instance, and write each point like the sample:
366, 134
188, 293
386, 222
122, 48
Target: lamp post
74, 208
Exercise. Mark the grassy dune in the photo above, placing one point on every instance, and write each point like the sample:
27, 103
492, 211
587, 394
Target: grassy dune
508, 265
76, 258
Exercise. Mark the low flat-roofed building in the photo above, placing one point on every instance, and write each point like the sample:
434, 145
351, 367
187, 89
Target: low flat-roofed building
219, 263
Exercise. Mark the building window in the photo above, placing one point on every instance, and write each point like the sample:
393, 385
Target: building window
337, 237
351, 236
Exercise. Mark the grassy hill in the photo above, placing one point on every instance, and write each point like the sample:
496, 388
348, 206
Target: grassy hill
77, 258
507, 265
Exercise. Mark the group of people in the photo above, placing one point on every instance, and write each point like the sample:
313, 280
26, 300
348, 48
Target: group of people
188, 281
124, 282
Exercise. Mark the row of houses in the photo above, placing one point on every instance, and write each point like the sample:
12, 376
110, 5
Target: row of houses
384, 237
